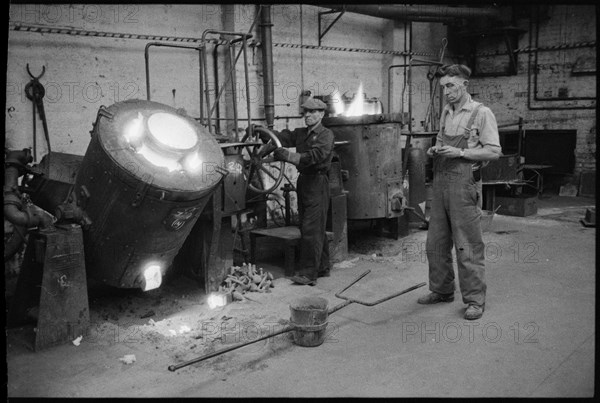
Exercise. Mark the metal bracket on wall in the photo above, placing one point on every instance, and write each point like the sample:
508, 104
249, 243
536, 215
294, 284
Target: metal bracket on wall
322, 34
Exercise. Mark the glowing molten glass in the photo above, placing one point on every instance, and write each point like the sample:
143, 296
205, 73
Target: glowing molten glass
172, 131
192, 162
158, 159
152, 277
134, 131
216, 299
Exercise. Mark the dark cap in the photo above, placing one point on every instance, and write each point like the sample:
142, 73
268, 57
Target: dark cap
314, 104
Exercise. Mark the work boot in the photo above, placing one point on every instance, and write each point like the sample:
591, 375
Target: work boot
303, 280
474, 311
434, 298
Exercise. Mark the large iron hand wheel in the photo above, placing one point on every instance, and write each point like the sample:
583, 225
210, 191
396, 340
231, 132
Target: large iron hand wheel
262, 173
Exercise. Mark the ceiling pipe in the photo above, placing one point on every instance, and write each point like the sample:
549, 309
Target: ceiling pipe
419, 13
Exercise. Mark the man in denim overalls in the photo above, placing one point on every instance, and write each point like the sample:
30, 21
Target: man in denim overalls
468, 137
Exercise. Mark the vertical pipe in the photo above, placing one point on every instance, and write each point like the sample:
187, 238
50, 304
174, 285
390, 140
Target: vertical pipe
216, 74
201, 86
409, 77
389, 77
407, 51
267, 53
206, 90
147, 60
409, 80
248, 113
233, 84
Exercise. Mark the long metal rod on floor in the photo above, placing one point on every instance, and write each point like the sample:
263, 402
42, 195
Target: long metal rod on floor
291, 327
225, 350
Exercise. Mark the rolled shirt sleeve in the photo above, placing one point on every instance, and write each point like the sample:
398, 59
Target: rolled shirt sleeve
487, 126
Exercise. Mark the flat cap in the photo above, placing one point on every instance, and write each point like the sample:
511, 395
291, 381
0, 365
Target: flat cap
314, 104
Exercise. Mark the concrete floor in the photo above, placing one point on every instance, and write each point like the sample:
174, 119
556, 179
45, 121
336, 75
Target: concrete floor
536, 338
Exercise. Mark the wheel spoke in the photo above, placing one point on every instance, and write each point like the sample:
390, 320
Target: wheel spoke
265, 170
254, 167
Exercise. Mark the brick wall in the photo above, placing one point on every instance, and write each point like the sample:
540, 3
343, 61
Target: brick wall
560, 34
83, 73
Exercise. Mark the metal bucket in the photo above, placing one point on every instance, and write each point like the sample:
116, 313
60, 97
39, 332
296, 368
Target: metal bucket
309, 317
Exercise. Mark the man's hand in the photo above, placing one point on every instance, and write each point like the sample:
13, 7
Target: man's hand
432, 151
261, 134
449, 151
281, 154
266, 149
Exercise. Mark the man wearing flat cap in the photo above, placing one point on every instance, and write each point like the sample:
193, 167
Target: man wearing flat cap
314, 151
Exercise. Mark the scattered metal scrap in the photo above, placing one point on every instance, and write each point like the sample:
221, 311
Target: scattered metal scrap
246, 278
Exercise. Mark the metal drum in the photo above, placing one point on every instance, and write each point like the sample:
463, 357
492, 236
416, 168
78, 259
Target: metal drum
146, 176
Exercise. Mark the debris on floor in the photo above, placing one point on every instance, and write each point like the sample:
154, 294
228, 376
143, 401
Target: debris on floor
127, 359
347, 263
246, 278
77, 341
147, 314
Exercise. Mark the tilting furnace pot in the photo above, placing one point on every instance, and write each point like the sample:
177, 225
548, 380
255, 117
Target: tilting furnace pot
148, 173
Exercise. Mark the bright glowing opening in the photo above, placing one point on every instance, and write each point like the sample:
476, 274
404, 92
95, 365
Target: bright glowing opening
172, 131
216, 299
356, 108
192, 162
159, 160
134, 131
152, 277
338, 104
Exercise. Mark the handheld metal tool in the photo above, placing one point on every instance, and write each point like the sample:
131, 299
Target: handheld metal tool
373, 303
35, 91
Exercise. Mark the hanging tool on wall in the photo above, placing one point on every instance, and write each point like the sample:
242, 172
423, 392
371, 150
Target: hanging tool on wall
35, 91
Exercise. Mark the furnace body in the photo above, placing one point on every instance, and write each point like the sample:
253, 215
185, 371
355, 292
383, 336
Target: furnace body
370, 151
143, 204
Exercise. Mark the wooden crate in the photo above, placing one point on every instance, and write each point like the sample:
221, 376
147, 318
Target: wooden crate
520, 206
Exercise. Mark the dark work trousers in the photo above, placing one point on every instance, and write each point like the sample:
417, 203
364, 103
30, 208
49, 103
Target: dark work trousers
456, 222
313, 203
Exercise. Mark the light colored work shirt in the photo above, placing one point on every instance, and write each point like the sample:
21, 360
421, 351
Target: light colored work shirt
483, 132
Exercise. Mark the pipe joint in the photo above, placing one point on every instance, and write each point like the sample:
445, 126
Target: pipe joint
18, 158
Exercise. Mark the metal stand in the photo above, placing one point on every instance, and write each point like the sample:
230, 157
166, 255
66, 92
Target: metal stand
53, 279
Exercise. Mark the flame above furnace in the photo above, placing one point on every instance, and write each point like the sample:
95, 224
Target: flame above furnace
356, 107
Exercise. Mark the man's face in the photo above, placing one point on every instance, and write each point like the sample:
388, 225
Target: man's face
313, 116
454, 88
